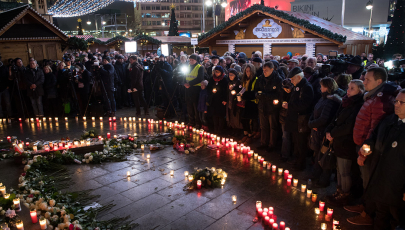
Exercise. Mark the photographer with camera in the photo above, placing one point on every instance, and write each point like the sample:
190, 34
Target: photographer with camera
136, 85
355, 67
107, 75
34, 78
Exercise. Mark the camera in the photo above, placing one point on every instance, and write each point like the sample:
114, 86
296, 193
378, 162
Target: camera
396, 73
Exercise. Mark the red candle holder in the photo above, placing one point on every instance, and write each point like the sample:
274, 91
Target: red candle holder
271, 222
108, 135
275, 226
282, 225
266, 220
286, 172
110, 119
261, 160
288, 182
198, 184
321, 206
260, 212
34, 217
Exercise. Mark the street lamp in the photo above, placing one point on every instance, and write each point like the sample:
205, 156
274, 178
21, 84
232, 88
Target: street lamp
208, 3
369, 6
89, 22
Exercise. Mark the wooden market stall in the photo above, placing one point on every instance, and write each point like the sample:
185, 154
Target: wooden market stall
24, 33
260, 28
110, 44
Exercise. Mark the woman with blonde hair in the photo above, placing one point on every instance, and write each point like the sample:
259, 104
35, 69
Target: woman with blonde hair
247, 102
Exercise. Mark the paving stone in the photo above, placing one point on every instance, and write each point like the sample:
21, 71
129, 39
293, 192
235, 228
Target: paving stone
146, 189
192, 220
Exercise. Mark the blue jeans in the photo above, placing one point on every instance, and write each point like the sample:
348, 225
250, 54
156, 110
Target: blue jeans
287, 143
6, 96
37, 106
343, 174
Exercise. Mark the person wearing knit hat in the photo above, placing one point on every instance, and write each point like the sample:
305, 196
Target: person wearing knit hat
299, 109
258, 62
217, 98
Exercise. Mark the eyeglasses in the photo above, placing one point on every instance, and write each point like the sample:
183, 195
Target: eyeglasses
400, 102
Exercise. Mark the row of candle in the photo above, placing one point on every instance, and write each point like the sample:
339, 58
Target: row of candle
56, 119
269, 218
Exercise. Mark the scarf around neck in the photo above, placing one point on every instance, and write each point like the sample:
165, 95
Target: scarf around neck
372, 92
218, 78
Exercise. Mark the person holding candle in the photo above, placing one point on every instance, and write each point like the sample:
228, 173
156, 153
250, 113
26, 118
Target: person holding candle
202, 105
299, 108
386, 188
248, 104
323, 114
233, 112
377, 105
217, 98
287, 141
268, 90
340, 131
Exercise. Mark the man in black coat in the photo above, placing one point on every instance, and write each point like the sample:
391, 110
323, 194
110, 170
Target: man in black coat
135, 86
269, 92
299, 109
121, 93
386, 188
107, 74
34, 79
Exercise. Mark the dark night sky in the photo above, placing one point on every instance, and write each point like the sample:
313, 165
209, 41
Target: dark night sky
71, 23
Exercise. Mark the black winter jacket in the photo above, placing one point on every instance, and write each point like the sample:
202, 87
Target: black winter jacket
50, 85
324, 112
215, 100
250, 111
120, 70
34, 76
341, 129
108, 76
300, 104
387, 183
271, 89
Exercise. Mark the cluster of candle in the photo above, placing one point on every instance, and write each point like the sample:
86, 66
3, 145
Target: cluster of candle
269, 218
328, 216
111, 119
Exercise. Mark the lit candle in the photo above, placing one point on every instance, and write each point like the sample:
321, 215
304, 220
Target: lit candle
114, 118
295, 182
148, 156
366, 148
260, 212
56, 119
108, 135
275, 226
32, 119
290, 176
84, 118
266, 220
303, 187
329, 212
186, 173
264, 164
190, 177
16, 202
309, 193
33, 214
317, 211
314, 197
288, 182
287, 228
273, 168
255, 156
280, 171
259, 158
258, 204
324, 226
271, 222
42, 222
143, 148
282, 225
234, 198
275, 102
233, 92
93, 118
20, 225
286, 172
198, 184
128, 173
66, 118
171, 172
222, 181
7, 195
144, 120
321, 206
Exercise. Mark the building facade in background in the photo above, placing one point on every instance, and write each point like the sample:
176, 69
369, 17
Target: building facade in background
189, 13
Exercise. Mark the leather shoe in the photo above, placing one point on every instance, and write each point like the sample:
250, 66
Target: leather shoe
362, 219
355, 208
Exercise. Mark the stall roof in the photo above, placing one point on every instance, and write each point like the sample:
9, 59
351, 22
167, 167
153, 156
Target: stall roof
10, 30
173, 39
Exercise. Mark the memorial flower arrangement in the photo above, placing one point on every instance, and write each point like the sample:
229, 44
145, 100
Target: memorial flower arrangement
40, 189
89, 134
208, 177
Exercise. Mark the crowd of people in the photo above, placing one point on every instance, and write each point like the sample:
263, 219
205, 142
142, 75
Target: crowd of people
348, 119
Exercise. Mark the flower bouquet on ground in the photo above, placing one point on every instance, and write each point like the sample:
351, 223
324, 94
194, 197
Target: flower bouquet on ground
208, 178
90, 134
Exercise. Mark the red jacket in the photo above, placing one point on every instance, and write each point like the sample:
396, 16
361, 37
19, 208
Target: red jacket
375, 108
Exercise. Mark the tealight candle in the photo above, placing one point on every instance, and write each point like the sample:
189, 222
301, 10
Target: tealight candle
317, 211
16, 202
280, 171
190, 177
171, 172
329, 212
198, 184
108, 135
84, 118
6, 196
275, 102
288, 182
33, 214
259, 158
260, 212
303, 187
295, 182
264, 164
93, 118
186, 173
128, 173
34, 148
234, 198
20, 225
42, 222
309, 193
275, 226
282, 225
255, 156
50, 118
258, 204
286, 172
273, 168
321, 206
56, 119
314, 197
143, 147
366, 148
324, 226
66, 118
148, 156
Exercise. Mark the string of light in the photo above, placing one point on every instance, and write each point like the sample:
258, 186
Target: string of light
74, 8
